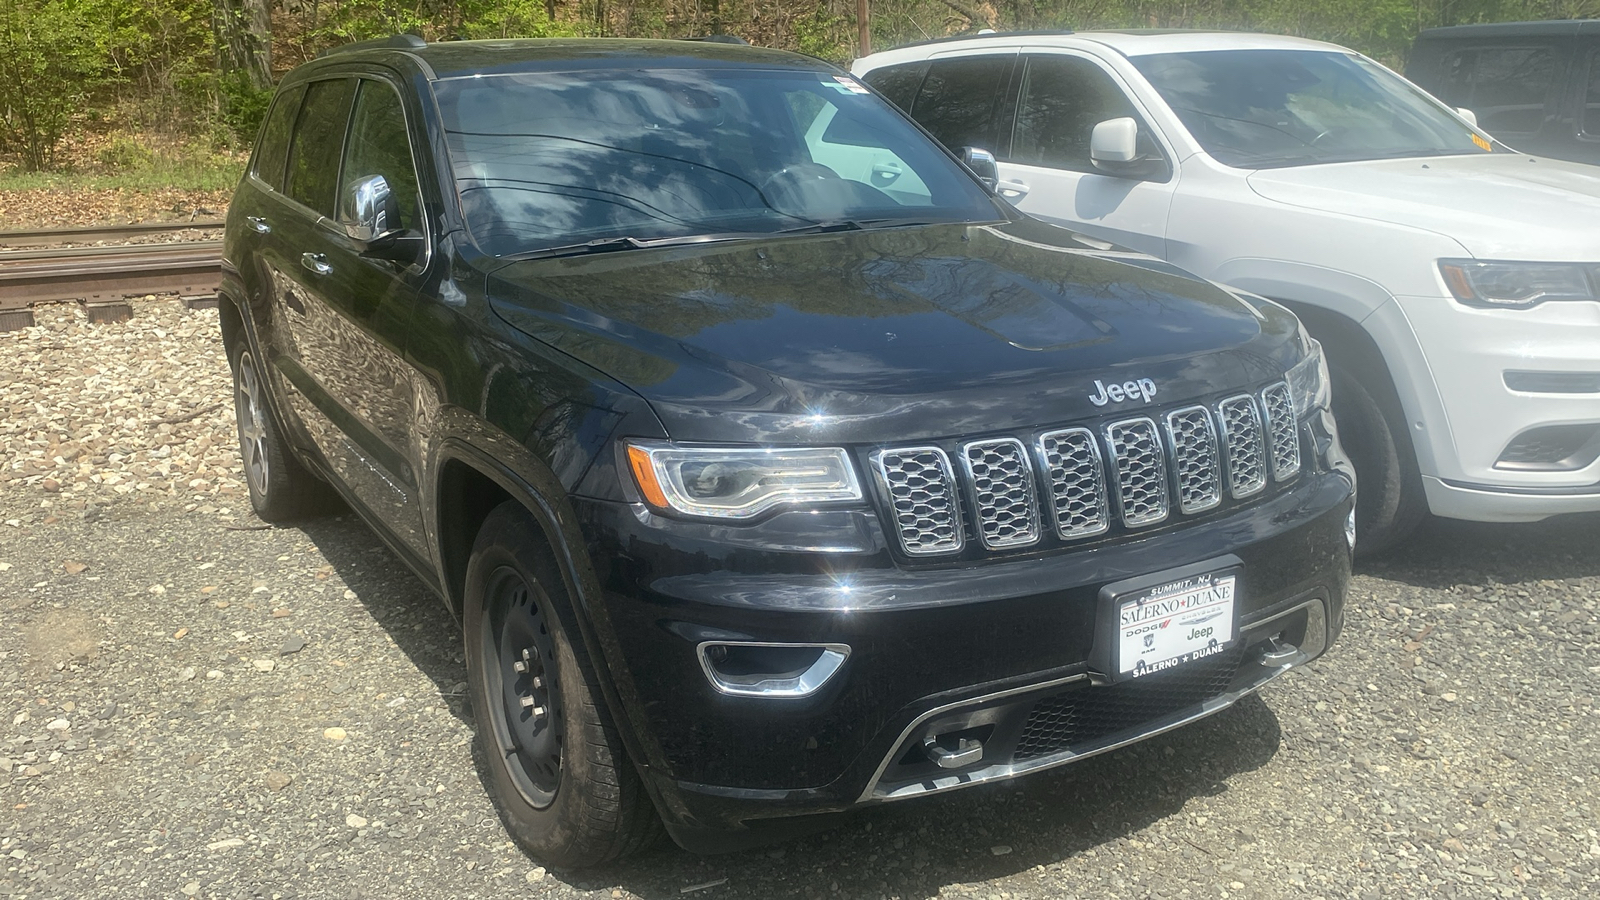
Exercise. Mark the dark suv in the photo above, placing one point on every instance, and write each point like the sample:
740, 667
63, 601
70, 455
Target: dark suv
773, 465
1535, 85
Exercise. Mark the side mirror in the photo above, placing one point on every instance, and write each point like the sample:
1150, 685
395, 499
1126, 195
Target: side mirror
369, 217
982, 164
1114, 150
1469, 115
364, 209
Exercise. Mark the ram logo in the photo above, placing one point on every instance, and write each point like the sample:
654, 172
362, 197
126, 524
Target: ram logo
1138, 389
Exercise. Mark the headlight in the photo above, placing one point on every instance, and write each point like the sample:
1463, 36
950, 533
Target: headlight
1517, 285
1308, 380
739, 482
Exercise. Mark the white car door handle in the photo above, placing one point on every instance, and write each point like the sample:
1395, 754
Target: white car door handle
886, 171
1012, 188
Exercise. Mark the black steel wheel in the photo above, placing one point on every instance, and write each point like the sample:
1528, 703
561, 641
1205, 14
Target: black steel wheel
527, 719
553, 760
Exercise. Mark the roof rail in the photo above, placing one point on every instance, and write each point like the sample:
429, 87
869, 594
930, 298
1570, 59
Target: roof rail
392, 42
720, 39
988, 33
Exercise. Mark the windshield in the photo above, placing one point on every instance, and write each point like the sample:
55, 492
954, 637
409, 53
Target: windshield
543, 160
1257, 109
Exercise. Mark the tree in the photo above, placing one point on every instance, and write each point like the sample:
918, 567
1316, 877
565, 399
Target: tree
244, 40
52, 55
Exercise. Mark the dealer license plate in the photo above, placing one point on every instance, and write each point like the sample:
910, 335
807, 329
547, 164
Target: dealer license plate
1174, 623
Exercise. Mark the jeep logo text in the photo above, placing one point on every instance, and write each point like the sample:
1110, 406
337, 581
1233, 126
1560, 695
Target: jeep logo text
1143, 389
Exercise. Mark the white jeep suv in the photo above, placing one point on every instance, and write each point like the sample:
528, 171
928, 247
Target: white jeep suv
1454, 282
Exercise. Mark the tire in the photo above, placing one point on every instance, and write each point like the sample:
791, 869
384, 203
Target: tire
556, 768
281, 489
1389, 501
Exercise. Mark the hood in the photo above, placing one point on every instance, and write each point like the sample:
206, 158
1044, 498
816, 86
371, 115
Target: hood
1495, 205
891, 334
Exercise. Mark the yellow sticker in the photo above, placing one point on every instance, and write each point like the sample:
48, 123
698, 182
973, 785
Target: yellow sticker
1487, 147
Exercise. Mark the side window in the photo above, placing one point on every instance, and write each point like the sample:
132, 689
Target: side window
959, 98
1506, 87
1591, 97
1063, 98
379, 145
273, 148
318, 139
898, 83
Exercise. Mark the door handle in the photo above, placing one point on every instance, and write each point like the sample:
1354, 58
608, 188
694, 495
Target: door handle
1015, 188
259, 224
316, 262
886, 171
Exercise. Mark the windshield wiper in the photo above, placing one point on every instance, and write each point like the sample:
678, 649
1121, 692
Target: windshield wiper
613, 245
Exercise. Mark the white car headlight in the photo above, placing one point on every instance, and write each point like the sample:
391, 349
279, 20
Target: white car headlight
1517, 285
739, 482
1308, 380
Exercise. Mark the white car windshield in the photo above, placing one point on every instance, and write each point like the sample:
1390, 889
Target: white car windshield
1259, 109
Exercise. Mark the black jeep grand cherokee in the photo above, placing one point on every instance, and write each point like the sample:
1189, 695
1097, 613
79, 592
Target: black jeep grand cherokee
772, 464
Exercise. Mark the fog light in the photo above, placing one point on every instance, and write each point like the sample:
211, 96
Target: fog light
770, 670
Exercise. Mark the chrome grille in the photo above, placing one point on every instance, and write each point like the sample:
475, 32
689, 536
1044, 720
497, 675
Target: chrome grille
1140, 471
1246, 452
1077, 482
1181, 458
1002, 493
1285, 436
1193, 440
921, 491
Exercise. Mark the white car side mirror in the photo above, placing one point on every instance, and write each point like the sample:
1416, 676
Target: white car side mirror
1469, 115
1115, 141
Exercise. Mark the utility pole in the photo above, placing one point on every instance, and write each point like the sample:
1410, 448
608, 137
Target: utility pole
863, 27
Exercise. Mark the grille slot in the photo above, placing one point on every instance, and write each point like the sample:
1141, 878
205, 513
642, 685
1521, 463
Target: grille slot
1002, 493
1193, 440
1077, 482
1246, 456
921, 491
1140, 471
1285, 433
1080, 716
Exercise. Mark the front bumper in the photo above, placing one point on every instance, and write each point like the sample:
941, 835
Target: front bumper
929, 644
1505, 375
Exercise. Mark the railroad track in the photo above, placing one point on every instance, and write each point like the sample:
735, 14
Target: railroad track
42, 237
102, 277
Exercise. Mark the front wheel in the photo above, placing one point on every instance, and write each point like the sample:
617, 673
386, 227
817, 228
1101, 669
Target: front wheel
556, 768
1390, 502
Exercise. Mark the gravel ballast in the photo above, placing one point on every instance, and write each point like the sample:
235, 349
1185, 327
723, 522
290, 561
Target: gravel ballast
193, 704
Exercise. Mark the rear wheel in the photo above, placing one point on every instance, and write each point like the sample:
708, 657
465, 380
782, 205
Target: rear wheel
1390, 502
280, 488
556, 767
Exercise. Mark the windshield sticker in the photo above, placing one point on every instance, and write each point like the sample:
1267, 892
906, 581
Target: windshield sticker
1487, 147
847, 85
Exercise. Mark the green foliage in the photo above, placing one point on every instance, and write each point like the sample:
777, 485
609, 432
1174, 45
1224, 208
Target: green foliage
153, 65
244, 106
52, 54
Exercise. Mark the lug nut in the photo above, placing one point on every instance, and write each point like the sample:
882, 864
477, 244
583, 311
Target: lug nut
519, 666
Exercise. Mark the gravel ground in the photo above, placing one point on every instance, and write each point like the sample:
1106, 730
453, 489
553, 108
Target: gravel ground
197, 705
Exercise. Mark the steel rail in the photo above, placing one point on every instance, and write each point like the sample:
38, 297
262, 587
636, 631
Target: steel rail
103, 276
43, 237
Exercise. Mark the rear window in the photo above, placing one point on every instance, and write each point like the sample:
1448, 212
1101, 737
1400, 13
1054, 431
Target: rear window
898, 83
273, 148
960, 99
